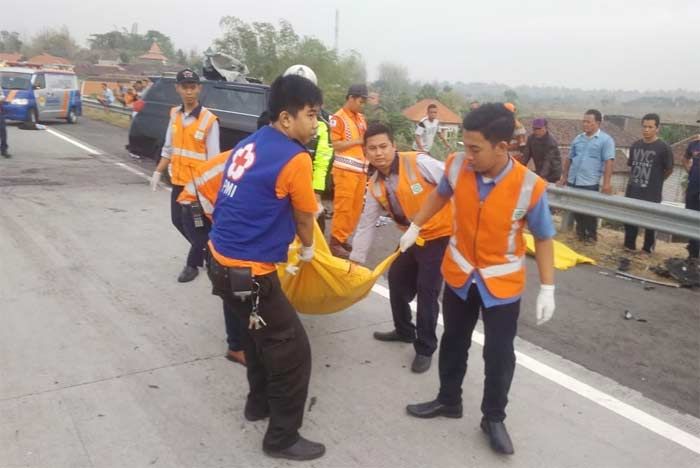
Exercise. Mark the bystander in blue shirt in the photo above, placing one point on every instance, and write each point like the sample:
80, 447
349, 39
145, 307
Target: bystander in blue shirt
588, 156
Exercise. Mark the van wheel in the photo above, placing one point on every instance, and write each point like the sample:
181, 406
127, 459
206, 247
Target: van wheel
72, 117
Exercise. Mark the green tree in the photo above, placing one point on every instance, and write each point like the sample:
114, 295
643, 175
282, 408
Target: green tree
510, 96
268, 50
427, 91
56, 42
10, 41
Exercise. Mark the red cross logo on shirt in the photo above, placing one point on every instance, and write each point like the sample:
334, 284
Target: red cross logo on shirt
242, 159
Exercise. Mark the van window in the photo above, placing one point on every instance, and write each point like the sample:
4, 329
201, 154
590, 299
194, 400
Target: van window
13, 80
40, 81
163, 91
235, 100
60, 81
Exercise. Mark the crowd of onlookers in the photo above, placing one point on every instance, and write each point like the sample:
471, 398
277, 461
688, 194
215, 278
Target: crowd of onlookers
127, 96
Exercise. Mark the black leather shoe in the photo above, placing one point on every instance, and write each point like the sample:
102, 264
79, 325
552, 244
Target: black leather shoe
188, 274
433, 409
498, 436
393, 335
421, 363
253, 414
302, 449
7, 155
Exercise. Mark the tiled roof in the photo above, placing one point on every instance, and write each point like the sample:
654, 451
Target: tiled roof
154, 53
420, 109
12, 57
565, 130
48, 59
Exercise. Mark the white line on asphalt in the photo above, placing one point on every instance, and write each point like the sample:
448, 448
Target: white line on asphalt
73, 142
613, 404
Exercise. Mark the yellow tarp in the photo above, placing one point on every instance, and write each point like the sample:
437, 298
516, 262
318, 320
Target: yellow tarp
564, 257
327, 284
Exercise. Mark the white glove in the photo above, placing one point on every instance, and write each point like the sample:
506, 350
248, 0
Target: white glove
306, 253
545, 303
155, 179
409, 237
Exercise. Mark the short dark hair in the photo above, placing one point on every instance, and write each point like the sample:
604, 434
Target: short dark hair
138, 81
292, 93
492, 120
379, 128
595, 113
432, 106
654, 117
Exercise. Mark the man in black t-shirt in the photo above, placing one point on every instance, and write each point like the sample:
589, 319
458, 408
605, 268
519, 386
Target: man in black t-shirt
650, 162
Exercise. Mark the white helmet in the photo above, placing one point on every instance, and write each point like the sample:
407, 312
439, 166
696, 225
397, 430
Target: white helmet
303, 71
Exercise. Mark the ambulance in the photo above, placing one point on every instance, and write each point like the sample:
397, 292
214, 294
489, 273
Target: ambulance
33, 94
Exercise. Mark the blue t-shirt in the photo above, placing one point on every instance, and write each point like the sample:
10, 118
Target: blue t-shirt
539, 222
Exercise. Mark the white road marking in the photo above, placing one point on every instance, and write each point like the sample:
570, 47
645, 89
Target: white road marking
73, 142
613, 404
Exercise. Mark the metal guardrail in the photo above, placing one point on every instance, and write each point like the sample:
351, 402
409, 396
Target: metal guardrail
94, 103
664, 218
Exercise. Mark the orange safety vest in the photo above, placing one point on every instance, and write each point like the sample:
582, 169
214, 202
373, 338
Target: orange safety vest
488, 234
189, 144
353, 158
411, 192
205, 185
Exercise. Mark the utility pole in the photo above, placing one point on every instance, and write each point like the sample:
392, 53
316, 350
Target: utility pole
337, 28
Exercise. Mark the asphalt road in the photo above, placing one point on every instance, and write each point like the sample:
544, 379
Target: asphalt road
107, 361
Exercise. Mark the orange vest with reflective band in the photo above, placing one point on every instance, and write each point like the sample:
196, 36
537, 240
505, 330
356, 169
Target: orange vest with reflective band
411, 191
353, 158
204, 187
488, 234
189, 144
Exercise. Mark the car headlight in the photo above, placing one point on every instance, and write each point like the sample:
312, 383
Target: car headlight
20, 102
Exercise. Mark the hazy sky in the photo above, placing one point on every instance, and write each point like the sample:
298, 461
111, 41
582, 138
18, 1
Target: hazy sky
628, 44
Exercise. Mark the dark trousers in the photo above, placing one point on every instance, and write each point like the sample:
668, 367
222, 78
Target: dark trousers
3, 133
586, 226
692, 202
181, 217
278, 356
417, 272
500, 327
234, 328
631, 238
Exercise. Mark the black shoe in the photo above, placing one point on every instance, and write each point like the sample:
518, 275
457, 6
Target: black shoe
498, 436
421, 363
5, 154
393, 335
188, 274
253, 414
434, 408
302, 449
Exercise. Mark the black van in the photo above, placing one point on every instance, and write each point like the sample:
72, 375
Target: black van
237, 105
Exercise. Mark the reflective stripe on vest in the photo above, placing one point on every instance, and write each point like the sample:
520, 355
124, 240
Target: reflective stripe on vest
348, 161
204, 179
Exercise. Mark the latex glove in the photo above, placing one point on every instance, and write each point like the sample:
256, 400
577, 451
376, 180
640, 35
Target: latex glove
409, 237
292, 269
306, 253
545, 303
155, 179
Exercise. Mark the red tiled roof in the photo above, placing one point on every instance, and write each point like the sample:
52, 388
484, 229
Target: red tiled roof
420, 109
11, 57
48, 59
154, 53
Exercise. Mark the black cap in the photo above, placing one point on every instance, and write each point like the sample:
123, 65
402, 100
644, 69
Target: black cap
358, 90
187, 76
